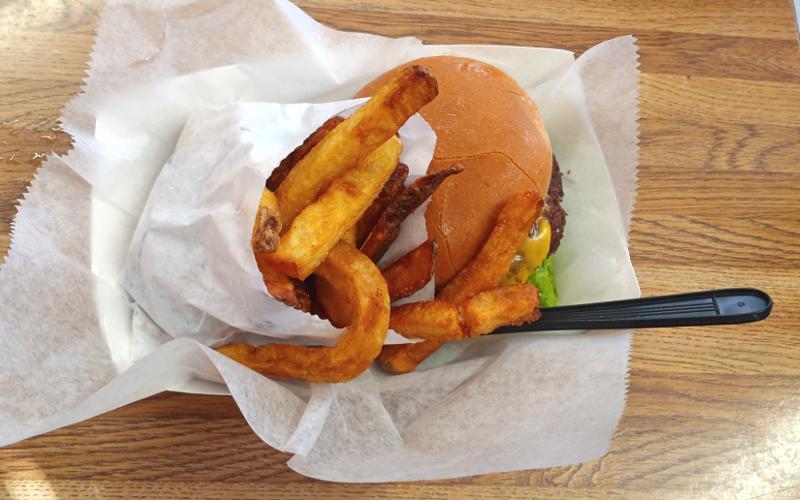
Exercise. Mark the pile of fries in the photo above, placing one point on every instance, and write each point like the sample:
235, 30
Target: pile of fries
328, 214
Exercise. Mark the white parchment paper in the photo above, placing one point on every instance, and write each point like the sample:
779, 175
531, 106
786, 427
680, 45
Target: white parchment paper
190, 268
68, 343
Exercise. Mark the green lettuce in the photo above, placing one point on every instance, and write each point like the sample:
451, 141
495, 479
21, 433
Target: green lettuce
545, 280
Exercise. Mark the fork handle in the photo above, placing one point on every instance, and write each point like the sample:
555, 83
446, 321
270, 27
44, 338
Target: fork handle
712, 307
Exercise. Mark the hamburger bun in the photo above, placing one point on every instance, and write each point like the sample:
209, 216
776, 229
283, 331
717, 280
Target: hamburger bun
486, 122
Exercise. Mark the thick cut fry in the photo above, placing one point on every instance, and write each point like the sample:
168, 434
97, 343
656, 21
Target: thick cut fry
355, 275
355, 138
404, 358
407, 275
496, 255
290, 291
388, 225
336, 304
349, 235
434, 319
482, 314
288, 163
483, 273
393, 187
267, 229
318, 228
412, 271
506, 305
265, 240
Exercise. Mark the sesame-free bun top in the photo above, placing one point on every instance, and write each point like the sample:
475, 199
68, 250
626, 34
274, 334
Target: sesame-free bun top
486, 122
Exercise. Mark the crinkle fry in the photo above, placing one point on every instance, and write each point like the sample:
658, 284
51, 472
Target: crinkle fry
356, 137
484, 272
356, 275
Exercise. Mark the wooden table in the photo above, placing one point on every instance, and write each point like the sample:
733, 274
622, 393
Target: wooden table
710, 413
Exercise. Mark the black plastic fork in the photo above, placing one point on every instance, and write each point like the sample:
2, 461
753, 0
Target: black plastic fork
712, 307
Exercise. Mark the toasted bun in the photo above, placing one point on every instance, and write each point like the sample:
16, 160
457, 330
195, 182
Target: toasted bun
486, 122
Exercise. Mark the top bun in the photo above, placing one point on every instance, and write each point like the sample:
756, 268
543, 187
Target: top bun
486, 122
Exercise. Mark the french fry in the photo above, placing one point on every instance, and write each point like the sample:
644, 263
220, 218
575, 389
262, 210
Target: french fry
407, 275
355, 138
482, 314
349, 235
393, 187
288, 163
319, 227
343, 186
433, 320
290, 291
412, 271
350, 271
496, 255
265, 240
484, 272
505, 305
388, 225
336, 304
404, 358
267, 228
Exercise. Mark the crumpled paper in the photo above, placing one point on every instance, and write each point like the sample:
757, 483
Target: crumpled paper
67, 350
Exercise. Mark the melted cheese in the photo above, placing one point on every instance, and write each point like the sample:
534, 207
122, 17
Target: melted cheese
530, 255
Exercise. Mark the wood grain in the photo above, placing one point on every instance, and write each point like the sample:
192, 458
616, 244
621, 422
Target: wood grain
711, 413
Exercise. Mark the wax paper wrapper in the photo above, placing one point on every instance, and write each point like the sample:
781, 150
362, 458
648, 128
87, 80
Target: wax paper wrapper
200, 214
72, 345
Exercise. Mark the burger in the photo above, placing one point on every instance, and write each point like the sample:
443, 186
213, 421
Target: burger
488, 126
486, 122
